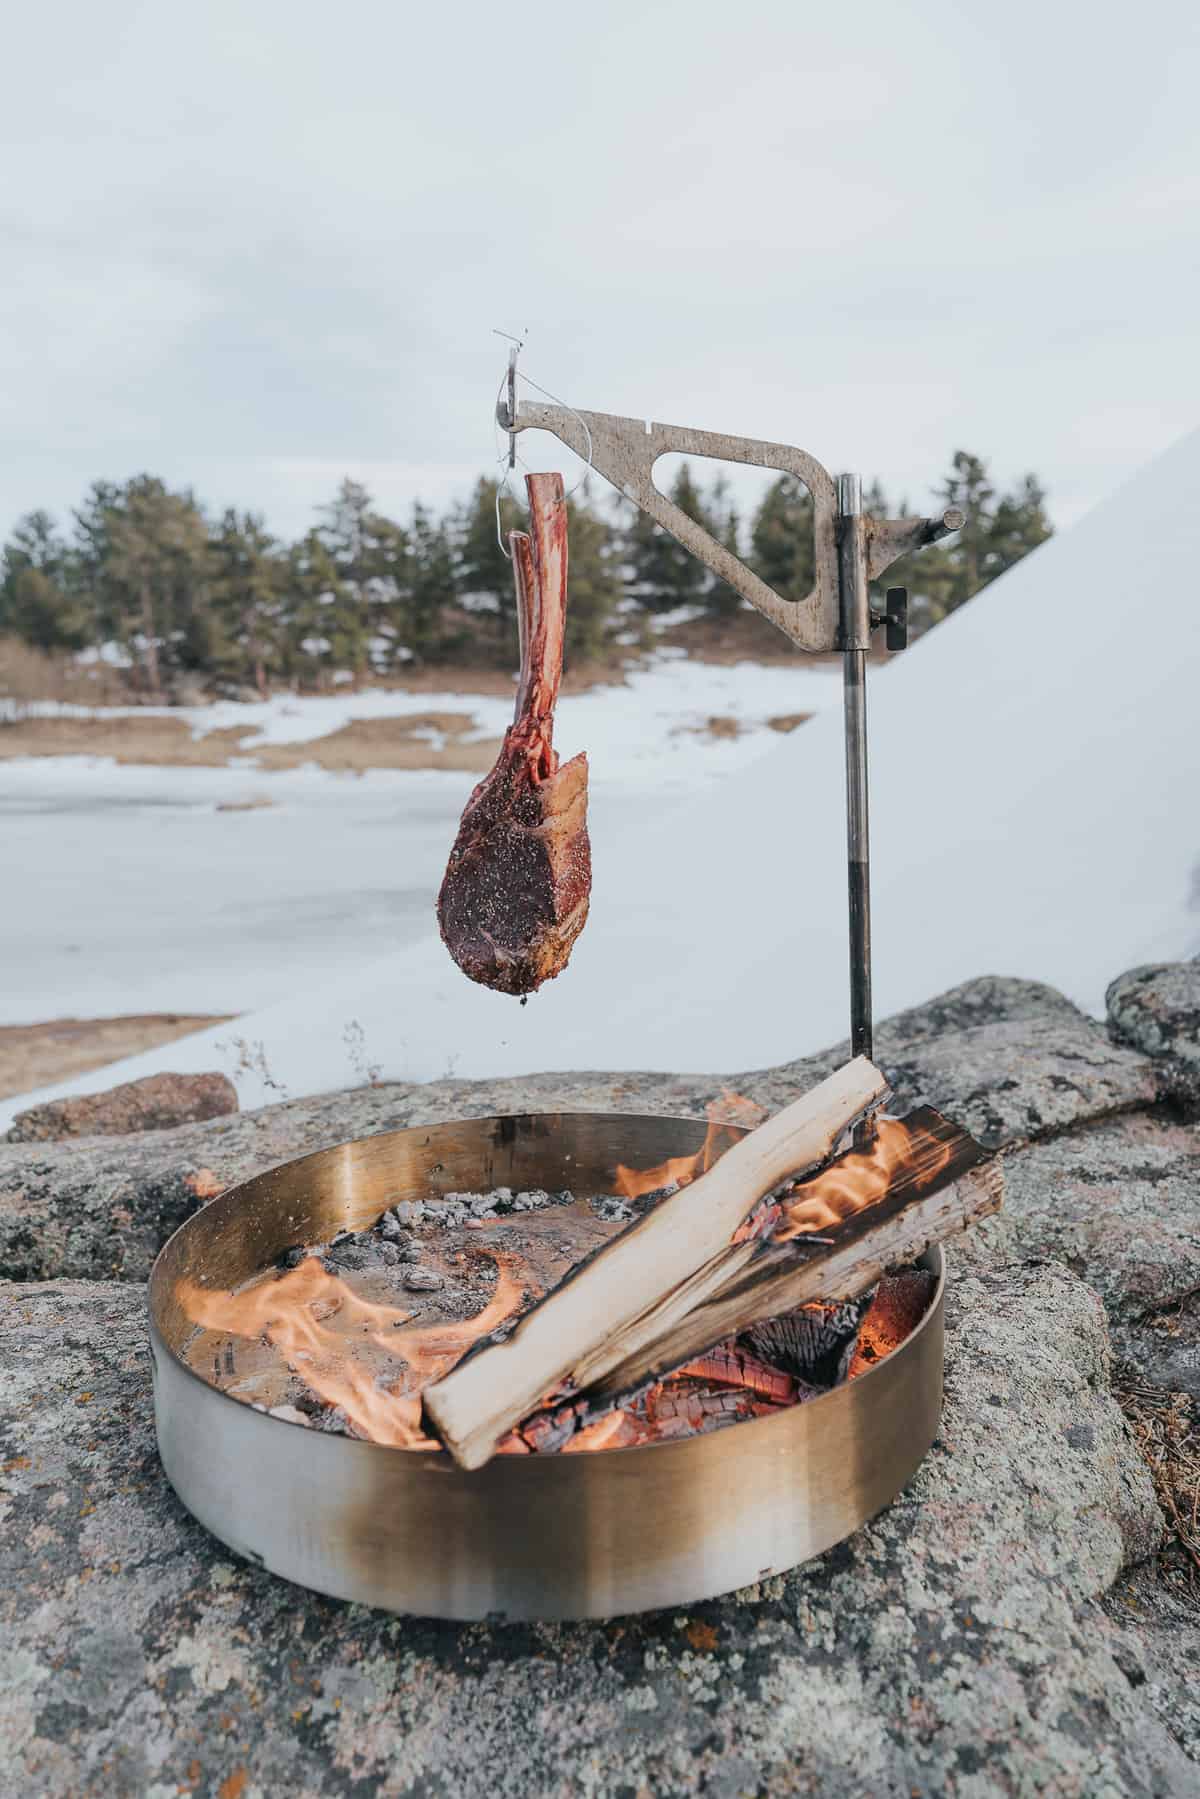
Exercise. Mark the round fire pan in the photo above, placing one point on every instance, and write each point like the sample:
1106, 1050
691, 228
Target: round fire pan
573, 1536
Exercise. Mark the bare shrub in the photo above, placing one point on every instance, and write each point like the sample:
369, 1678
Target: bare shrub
34, 680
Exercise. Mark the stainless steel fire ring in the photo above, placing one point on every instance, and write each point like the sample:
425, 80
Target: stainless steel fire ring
575, 1536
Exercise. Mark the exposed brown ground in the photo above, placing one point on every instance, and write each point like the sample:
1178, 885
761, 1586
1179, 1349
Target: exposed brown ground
158, 742
161, 742
723, 726
742, 637
167, 742
33, 1055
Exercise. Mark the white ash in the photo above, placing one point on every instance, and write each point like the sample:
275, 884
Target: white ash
289, 1413
612, 1209
391, 1238
453, 1209
360, 1253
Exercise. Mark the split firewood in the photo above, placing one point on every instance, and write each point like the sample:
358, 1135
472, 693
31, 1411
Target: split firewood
820, 1339
515, 893
684, 1249
779, 1277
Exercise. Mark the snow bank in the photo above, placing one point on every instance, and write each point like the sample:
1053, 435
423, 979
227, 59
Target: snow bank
1035, 762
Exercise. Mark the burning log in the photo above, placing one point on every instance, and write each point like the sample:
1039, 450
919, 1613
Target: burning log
598, 1338
515, 893
822, 1339
920, 1209
683, 1249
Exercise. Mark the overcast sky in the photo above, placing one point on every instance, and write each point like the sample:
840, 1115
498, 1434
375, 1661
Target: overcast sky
254, 246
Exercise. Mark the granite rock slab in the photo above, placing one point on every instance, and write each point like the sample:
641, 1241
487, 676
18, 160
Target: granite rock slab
1156, 1009
1120, 1204
152, 1104
953, 1646
1010, 1060
1158, 1648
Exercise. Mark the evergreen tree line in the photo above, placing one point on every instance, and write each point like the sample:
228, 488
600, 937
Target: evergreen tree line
222, 601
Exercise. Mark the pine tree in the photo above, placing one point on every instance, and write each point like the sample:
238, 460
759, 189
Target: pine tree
321, 619
431, 586
346, 534
155, 567
483, 572
997, 533
38, 600
967, 486
725, 525
593, 579
782, 543
663, 574
89, 557
1019, 525
249, 582
388, 560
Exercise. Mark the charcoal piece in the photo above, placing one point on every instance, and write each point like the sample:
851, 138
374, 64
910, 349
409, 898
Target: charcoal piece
646, 1202
813, 1343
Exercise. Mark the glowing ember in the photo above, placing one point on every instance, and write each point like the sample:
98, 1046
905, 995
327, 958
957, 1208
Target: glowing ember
732, 1386
900, 1302
617, 1430
326, 1334
738, 1368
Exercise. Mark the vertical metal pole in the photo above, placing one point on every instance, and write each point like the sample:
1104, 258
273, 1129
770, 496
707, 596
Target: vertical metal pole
512, 403
856, 641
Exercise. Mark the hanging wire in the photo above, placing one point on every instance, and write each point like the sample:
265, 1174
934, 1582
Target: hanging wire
530, 382
507, 457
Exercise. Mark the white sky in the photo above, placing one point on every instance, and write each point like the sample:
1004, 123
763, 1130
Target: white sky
255, 247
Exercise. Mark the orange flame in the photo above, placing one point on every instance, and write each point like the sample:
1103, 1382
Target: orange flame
321, 1327
731, 1109
861, 1178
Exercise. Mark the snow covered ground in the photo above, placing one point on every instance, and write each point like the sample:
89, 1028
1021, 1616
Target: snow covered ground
1035, 766
136, 893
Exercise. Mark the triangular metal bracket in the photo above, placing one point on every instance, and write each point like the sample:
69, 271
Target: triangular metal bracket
625, 450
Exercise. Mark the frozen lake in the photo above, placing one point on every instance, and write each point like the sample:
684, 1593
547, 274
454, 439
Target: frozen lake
136, 892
